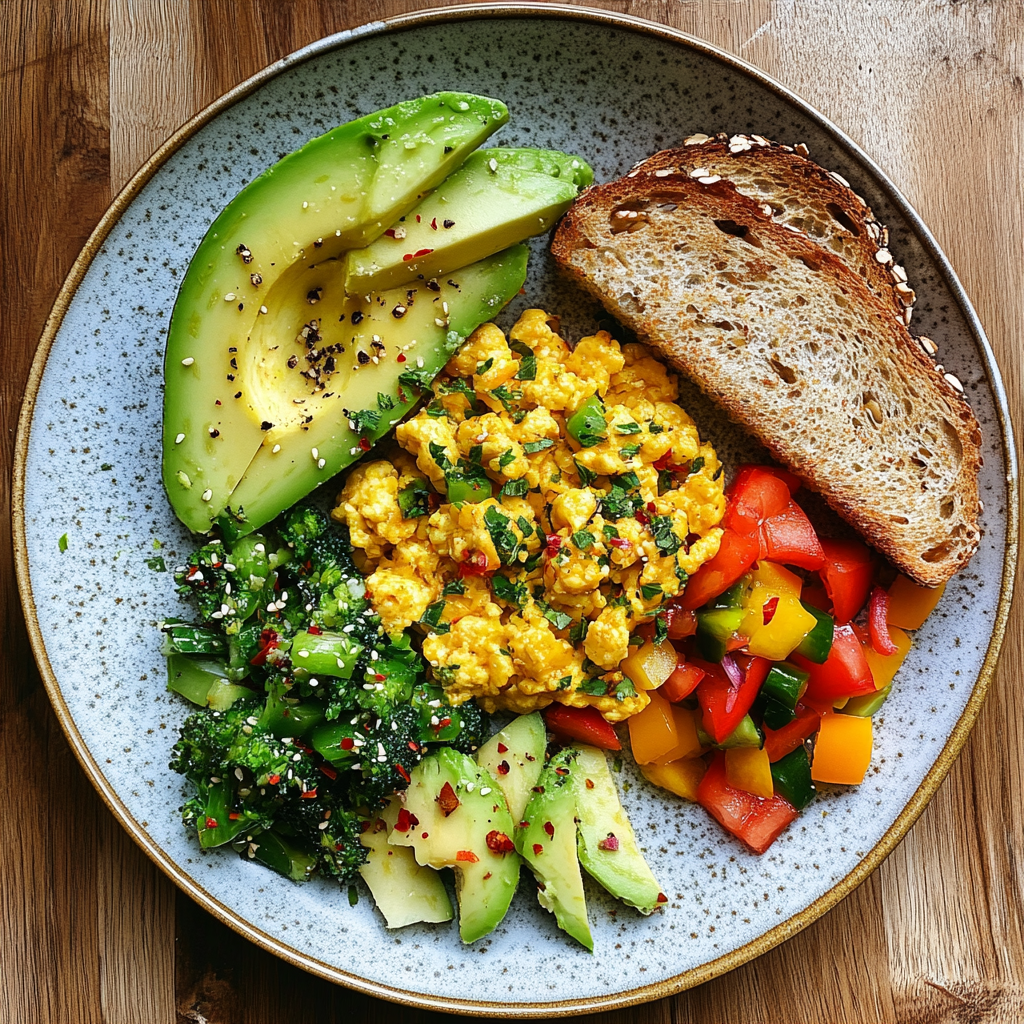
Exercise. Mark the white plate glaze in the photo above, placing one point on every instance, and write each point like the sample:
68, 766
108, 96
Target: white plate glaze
89, 467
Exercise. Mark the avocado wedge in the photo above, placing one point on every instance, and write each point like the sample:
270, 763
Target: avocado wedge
338, 192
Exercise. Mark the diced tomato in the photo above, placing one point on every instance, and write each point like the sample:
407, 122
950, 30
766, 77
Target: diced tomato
780, 742
736, 555
756, 820
845, 672
681, 622
847, 573
682, 682
724, 705
757, 493
789, 539
814, 594
878, 623
583, 724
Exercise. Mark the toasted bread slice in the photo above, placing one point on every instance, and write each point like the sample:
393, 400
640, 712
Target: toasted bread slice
795, 347
800, 194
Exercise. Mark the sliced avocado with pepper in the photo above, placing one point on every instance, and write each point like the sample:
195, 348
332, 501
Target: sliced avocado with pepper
607, 845
458, 818
515, 757
495, 199
337, 192
546, 839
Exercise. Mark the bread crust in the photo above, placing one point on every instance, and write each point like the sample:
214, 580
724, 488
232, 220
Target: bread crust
667, 255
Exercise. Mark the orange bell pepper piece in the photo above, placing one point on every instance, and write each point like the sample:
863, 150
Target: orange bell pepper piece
910, 604
842, 749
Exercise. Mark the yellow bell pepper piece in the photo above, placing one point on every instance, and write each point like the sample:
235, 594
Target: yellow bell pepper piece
679, 777
689, 744
749, 769
649, 666
842, 749
654, 732
884, 668
910, 604
790, 623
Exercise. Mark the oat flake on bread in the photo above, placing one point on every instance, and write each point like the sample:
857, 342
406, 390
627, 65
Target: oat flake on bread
795, 346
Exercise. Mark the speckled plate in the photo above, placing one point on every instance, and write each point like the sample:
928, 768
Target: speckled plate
88, 466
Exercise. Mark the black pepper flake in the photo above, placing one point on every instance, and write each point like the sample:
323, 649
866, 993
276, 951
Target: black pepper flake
214, 432
234, 363
449, 149
313, 295
433, 285
398, 312
231, 376
238, 394
363, 357
293, 361
341, 318
266, 425
357, 317
449, 223
241, 306
256, 279
232, 348
243, 251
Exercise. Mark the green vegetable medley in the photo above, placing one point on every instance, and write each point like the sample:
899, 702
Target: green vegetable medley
309, 714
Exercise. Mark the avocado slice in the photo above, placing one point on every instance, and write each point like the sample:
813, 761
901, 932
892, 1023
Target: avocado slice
404, 892
515, 757
459, 819
607, 846
393, 346
337, 192
484, 206
546, 839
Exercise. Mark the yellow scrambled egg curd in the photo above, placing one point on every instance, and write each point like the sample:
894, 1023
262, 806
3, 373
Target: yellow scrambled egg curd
549, 500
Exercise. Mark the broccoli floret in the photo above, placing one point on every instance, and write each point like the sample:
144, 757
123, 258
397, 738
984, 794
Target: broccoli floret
390, 749
336, 847
388, 679
462, 726
207, 736
226, 596
301, 527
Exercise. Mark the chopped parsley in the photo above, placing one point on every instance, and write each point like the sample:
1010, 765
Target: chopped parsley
628, 428
560, 620
587, 476
414, 500
506, 458
651, 590
364, 421
483, 367
507, 398
625, 689
664, 536
384, 402
514, 488
596, 687
583, 539
527, 361
629, 451
564, 683
454, 587
432, 618
661, 628
510, 591
505, 541
537, 446
419, 379
697, 465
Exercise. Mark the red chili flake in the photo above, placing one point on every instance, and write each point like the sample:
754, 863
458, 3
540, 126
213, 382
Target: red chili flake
610, 842
641, 517
769, 609
467, 856
416, 255
364, 443
401, 357
443, 724
310, 794
537, 849
651, 507
329, 771
426, 835
401, 771
488, 875
379, 677
503, 767
620, 542
414, 746
662, 898
234, 816
590, 783
405, 820
502, 749
552, 543
447, 800
273, 779
390, 232
433, 223
474, 565
347, 743
498, 842
561, 771
418, 218
314, 630
664, 462
550, 829
211, 822
524, 824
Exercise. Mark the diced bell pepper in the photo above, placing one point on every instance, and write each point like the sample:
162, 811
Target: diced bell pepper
847, 573
842, 749
649, 666
737, 552
845, 672
679, 777
816, 645
747, 768
587, 424
910, 604
583, 724
724, 704
792, 778
747, 734
788, 625
780, 742
655, 732
684, 680
884, 667
781, 692
718, 622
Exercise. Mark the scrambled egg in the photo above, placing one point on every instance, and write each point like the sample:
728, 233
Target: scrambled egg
529, 553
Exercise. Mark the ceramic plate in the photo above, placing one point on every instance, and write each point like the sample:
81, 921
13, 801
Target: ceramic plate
89, 468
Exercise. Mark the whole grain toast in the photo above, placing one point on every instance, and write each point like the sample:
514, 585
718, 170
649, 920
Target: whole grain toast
795, 347
795, 191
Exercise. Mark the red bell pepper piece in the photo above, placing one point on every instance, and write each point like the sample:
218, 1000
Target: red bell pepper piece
736, 555
755, 820
683, 681
789, 539
681, 622
845, 672
723, 704
780, 742
847, 574
878, 623
583, 724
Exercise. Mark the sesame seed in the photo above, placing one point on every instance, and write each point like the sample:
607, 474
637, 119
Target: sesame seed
954, 382
187, 361
207, 494
263, 309
179, 439
315, 453
305, 206
321, 463
275, 449
230, 297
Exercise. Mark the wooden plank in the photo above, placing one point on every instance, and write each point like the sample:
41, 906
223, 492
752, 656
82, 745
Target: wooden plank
933, 92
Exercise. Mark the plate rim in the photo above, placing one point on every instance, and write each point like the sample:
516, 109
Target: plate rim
638, 994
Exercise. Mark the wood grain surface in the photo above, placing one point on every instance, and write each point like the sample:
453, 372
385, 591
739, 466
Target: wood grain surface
89, 929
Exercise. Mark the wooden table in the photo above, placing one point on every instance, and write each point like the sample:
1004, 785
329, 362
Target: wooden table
89, 928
